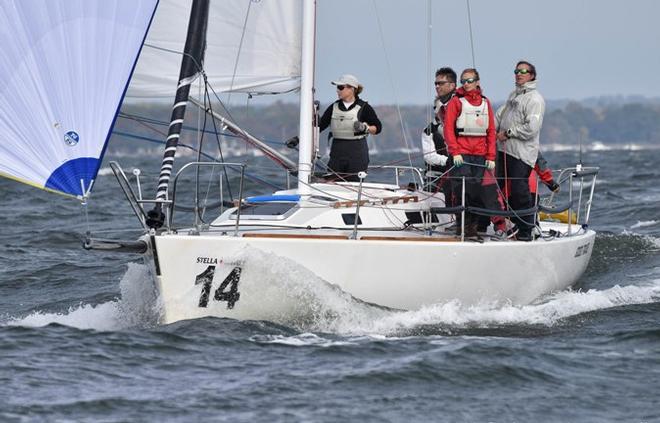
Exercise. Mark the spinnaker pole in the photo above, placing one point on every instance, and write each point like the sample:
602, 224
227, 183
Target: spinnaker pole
191, 67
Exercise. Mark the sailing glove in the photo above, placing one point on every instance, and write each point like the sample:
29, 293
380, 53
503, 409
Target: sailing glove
490, 164
458, 160
360, 127
553, 186
293, 142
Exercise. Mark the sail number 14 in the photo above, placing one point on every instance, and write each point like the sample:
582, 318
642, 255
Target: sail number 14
227, 291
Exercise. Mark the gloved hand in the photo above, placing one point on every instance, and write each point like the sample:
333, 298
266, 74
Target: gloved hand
458, 160
360, 127
293, 142
490, 164
553, 186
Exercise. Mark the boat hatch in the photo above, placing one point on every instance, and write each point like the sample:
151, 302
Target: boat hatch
267, 210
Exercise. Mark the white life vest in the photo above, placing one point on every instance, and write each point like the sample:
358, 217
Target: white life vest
341, 122
473, 120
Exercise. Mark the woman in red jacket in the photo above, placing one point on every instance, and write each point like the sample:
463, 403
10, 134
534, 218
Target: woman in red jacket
470, 137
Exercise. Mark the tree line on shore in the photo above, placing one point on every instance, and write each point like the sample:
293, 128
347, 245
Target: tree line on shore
565, 123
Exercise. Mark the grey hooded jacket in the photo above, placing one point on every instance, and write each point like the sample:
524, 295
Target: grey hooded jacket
521, 116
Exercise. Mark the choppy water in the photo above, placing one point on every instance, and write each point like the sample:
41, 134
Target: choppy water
79, 339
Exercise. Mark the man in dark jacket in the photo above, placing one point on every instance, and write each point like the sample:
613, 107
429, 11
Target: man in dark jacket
433, 140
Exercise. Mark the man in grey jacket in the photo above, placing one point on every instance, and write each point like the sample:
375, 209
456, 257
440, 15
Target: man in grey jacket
519, 123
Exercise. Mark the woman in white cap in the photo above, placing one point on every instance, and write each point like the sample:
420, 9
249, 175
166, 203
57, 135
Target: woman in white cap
351, 120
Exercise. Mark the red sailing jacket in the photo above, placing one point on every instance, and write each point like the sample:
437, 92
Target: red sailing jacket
476, 146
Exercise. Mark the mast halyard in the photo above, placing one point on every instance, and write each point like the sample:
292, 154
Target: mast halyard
307, 97
191, 67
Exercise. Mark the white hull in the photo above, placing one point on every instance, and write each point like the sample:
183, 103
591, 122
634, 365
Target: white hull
404, 274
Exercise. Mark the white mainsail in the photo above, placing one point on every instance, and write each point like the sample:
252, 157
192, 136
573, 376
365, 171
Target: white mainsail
64, 68
252, 47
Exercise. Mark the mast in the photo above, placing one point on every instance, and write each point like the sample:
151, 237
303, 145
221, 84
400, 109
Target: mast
191, 66
306, 97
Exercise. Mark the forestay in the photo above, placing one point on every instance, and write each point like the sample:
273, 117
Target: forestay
64, 68
252, 47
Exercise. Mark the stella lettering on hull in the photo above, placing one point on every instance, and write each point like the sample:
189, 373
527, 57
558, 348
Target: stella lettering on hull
207, 260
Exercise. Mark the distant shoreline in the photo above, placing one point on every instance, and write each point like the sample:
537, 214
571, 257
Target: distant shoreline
600, 123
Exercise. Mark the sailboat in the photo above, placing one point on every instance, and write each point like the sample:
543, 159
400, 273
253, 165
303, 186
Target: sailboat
67, 66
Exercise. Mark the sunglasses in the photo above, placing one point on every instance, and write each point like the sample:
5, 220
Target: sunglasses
439, 83
522, 71
468, 80
341, 87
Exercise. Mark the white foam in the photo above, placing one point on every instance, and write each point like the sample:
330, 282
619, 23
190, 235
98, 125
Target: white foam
643, 223
104, 171
554, 308
293, 296
356, 326
301, 340
279, 290
137, 307
654, 240
101, 317
300, 299
651, 239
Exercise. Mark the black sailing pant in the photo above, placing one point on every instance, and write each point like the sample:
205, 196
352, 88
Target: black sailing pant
517, 185
348, 157
477, 194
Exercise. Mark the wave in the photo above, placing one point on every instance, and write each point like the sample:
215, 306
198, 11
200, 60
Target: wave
314, 306
137, 307
453, 317
323, 315
642, 224
636, 242
624, 244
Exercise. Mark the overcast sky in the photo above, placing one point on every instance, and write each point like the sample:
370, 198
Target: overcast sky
582, 48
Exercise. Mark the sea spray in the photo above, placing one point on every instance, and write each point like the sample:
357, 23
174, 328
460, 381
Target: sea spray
295, 297
289, 294
138, 306
280, 290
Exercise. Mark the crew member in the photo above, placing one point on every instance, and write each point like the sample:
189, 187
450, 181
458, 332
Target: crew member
519, 125
433, 140
351, 120
470, 136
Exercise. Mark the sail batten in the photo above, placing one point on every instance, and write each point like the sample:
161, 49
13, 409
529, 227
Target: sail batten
62, 79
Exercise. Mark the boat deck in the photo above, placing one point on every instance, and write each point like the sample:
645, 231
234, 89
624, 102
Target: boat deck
550, 231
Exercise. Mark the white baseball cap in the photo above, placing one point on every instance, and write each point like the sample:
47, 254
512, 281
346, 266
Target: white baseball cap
347, 80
